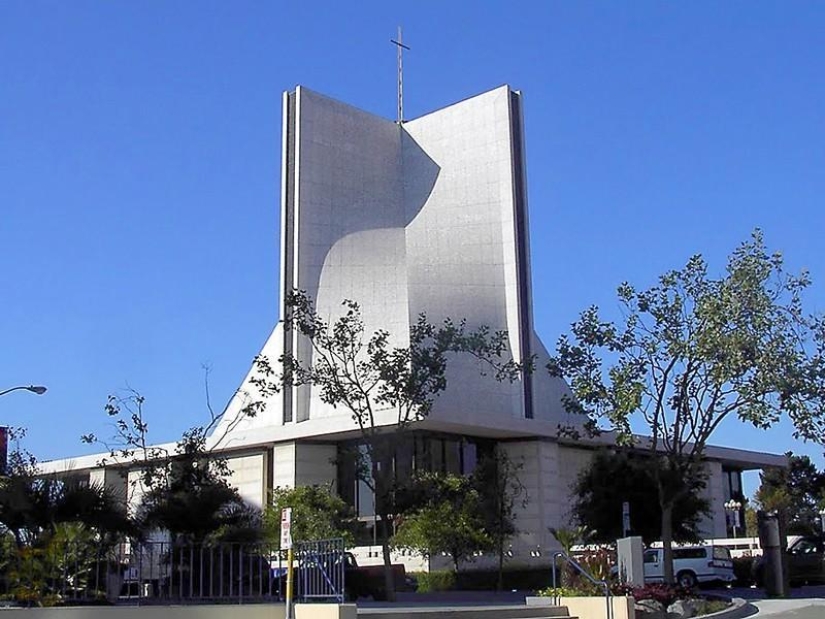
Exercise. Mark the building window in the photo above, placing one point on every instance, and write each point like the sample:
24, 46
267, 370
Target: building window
733, 483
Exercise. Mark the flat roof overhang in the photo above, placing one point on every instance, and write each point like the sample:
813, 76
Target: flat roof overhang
477, 424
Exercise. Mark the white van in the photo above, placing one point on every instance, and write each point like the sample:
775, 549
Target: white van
691, 565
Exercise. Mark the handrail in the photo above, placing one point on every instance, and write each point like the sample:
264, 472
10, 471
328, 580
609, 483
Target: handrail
583, 572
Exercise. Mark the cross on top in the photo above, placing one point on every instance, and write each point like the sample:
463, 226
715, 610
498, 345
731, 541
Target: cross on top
399, 44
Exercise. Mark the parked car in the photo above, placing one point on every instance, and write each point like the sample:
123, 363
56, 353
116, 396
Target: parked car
368, 580
691, 565
359, 581
806, 562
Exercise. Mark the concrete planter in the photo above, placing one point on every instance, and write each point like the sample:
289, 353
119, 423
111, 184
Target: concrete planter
220, 611
590, 606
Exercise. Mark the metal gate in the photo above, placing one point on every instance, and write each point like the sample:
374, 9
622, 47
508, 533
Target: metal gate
320, 570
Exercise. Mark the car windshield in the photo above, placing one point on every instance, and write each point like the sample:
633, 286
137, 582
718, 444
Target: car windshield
804, 547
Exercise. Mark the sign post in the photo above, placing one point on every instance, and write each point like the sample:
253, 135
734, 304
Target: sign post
4, 449
286, 543
625, 519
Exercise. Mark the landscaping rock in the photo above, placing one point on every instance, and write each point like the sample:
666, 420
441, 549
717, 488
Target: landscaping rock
684, 608
651, 608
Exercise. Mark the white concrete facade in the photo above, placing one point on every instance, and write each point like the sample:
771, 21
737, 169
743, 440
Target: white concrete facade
425, 216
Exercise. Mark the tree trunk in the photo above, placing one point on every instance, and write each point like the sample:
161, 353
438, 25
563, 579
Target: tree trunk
500, 579
667, 541
382, 483
389, 580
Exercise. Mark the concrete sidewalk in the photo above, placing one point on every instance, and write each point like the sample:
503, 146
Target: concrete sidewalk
799, 608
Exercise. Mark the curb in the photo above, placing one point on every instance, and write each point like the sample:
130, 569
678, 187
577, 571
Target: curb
739, 608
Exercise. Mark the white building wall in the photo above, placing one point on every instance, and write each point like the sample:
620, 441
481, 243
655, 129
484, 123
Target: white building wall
715, 525
462, 244
572, 462
283, 465
249, 477
539, 475
115, 479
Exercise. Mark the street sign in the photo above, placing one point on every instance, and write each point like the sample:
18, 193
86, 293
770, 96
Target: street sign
286, 528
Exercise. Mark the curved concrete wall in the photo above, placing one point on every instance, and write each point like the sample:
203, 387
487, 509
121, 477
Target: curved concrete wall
425, 217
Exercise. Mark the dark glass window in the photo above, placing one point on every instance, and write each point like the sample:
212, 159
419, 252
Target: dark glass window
452, 457
689, 553
469, 457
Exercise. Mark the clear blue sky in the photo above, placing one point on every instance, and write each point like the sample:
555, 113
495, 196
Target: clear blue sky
139, 168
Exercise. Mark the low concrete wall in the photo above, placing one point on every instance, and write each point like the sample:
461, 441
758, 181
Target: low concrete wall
623, 606
222, 611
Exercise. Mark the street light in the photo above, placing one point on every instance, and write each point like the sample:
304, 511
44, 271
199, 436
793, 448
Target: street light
38, 389
733, 507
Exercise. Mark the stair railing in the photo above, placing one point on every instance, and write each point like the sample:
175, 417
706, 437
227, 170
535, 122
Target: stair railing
599, 583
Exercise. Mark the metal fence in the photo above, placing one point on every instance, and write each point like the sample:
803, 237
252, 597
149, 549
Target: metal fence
321, 569
160, 572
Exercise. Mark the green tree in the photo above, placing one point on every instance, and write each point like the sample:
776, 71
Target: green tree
194, 502
693, 351
796, 490
33, 507
384, 387
615, 477
751, 522
317, 513
185, 490
449, 520
53, 531
569, 537
499, 488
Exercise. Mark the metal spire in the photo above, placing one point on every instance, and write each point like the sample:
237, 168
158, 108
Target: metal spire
400, 47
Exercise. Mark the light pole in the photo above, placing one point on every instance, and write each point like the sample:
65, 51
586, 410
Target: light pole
38, 389
822, 520
4, 431
733, 507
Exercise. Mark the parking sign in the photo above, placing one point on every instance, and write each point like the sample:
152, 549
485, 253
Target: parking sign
286, 528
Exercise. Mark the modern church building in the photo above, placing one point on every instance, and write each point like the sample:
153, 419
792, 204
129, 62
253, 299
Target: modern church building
425, 216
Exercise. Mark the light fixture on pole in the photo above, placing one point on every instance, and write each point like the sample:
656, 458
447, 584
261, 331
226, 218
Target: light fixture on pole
733, 508
38, 389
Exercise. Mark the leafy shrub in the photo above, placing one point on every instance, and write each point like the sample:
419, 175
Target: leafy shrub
597, 562
664, 594
440, 580
743, 570
659, 592
552, 592
523, 579
708, 607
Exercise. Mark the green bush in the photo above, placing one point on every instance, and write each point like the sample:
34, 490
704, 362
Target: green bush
441, 580
708, 607
567, 592
522, 579
743, 570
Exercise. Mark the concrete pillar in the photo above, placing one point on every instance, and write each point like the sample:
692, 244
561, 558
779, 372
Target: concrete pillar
715, 525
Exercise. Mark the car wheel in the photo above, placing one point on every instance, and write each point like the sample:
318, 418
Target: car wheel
686, 579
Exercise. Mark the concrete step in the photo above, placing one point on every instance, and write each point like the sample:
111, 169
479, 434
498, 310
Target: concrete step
467, 612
